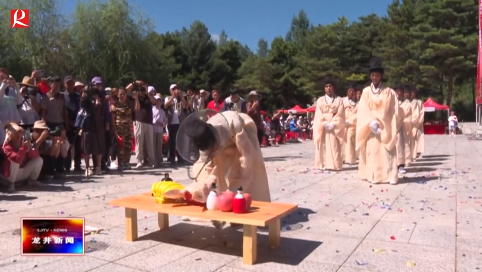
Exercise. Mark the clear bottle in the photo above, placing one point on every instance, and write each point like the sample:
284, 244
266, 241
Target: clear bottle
239, 203
212, 200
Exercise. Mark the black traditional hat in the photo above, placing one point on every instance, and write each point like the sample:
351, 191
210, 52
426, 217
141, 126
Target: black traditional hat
328, 79
399, 87
201, 133
376, 65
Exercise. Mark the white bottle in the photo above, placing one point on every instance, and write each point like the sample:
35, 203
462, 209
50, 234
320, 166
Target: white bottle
212, 200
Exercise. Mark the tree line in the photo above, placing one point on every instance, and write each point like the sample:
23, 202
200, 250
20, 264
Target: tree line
432, 44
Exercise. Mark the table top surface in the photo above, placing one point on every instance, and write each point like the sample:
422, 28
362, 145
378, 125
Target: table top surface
259, 214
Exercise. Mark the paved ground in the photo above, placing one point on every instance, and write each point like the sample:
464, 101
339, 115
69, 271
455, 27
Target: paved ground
426, 223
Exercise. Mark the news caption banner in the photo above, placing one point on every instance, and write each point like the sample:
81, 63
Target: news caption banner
53, 236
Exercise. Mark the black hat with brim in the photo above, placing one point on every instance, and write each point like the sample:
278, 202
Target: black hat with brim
376, 66
201, 133
328, 80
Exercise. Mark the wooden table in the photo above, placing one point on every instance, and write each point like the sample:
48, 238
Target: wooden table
261, 214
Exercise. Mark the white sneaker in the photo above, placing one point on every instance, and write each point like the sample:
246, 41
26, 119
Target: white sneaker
393, 183
402, 171
138, 166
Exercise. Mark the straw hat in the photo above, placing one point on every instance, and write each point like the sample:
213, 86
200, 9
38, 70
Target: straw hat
40, 125
27, 82
78, 83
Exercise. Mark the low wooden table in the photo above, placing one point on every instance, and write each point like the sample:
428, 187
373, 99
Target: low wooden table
261, 214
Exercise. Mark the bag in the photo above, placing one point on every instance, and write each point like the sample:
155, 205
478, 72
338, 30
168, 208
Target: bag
82, 120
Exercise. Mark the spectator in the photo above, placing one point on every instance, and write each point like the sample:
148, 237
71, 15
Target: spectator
143, 130
98, 83
254, 111
453, 123
72, 105
93, 123
122, 126
174, 106
9, 98
277, 130
203, 99
159, 122
29, 108
23, 162
79, 87
53, 147
295, 128
234, 102
217, 103
53, 109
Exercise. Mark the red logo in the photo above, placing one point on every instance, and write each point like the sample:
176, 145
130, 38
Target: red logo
19, 18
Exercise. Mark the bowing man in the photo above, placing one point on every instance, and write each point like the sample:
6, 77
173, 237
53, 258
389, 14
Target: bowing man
376, 130
329, 129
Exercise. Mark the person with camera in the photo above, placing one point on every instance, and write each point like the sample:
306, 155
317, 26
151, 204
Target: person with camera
122, 111
29, 109
22, 162
52, 146
234, 102
142, 116
175, 106
72, 104
217, 103
92, 123
9, 98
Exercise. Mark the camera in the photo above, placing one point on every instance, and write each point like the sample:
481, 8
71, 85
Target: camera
139, 88
56, 132
92, 90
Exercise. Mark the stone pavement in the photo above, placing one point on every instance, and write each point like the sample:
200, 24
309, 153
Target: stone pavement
431, 221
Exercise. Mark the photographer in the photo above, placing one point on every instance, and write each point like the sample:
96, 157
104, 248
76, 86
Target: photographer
92, 122
143, 129
9, 98
29, 108
175, 104
98, 84
53, 147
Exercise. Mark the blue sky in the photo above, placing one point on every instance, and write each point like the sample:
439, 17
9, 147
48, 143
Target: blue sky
247, 21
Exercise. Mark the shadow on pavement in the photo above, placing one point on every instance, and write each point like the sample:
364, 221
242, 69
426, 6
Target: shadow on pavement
16, 197
419, 164
421, 180
431, 159
416, 169
281, 158
434, 156
229, 241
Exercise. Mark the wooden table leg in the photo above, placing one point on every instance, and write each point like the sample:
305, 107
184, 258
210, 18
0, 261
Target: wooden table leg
163, 221
131, 224
250, 244
275, 233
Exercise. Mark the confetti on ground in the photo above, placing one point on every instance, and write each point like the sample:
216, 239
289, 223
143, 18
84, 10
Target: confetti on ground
361, 263
411, 264
379, 250
392, 238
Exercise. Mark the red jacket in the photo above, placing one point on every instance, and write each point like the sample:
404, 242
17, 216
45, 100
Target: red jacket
16, 155
212, 105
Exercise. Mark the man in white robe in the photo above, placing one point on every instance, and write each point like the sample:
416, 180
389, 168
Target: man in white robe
350, 106
329, 129
404, 129
376, 130
418, 114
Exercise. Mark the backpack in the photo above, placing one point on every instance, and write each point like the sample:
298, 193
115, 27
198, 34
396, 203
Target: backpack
83, 119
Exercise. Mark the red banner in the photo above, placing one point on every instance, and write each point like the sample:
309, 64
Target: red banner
478, 98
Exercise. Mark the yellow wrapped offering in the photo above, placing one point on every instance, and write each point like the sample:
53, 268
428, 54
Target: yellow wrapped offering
159, 188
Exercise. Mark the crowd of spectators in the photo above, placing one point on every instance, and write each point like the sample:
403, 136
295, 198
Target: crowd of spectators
49, 125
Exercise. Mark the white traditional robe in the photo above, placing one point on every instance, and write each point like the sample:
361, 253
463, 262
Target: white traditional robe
349, 144
328, 152
404, 153
418, 114
240, 163
378, 155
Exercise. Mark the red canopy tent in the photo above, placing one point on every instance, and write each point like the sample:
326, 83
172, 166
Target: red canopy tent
296, 110
434, 128
311, 109
431, 105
